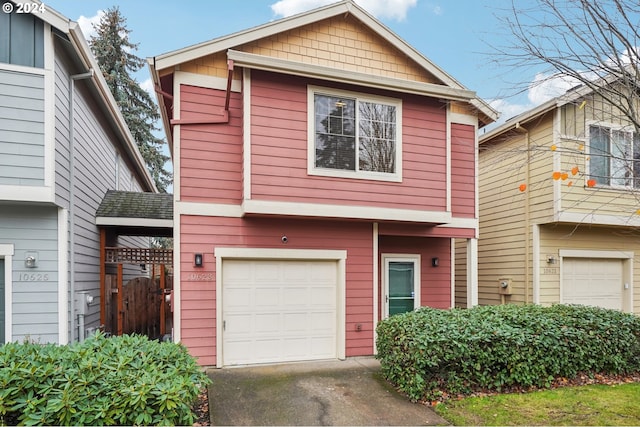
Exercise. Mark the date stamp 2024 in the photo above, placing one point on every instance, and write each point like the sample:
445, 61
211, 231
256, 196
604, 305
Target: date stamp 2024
9, 7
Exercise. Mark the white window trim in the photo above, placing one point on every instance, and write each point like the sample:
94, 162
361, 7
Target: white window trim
359, 96
417, 282
611, 127
6, 253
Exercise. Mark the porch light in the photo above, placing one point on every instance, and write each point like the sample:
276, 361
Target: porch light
435, 261
30, 260
197, 260
551, 259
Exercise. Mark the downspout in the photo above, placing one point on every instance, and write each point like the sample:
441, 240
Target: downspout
72, 201
527, 214
224, 115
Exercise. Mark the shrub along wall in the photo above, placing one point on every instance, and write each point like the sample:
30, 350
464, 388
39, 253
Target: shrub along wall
430, 351
127, 380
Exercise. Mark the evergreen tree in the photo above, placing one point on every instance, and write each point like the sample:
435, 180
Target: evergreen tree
115, 55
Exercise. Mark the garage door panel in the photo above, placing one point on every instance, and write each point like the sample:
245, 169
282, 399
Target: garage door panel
264, 272
267, 323
237, 298
323, 296
295, 296
289, 312
294, 322
239, 324
266, 296
593, 281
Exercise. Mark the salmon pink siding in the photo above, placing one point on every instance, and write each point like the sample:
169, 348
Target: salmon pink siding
435, 288
210, 154
205, 234
463, 170
279, 150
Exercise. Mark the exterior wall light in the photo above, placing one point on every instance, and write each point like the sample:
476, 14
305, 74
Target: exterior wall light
435, 261
197, 260
30, 260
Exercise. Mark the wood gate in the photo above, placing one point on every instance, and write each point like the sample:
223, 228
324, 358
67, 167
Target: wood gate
141, 305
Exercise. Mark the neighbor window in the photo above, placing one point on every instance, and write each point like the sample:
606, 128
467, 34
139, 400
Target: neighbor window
355, 135
21, 39
614, 156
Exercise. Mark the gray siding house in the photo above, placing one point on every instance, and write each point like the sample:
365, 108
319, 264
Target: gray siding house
63, 145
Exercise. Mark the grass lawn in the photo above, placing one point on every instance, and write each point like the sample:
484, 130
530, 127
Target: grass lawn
592, 405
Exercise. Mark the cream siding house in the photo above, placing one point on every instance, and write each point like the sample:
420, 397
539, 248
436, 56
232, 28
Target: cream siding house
559, 205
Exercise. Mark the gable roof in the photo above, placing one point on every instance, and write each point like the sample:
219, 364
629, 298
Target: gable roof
72, 33
227, 43
571, 95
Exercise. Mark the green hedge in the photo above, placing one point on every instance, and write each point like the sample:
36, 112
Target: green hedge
429, 351
123, 380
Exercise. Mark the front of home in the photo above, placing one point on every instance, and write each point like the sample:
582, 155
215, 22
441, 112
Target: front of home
63, 144
323, 170
559, 206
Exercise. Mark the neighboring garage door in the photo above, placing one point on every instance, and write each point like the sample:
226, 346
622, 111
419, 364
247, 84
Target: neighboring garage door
596, 282
278, 311
2, 310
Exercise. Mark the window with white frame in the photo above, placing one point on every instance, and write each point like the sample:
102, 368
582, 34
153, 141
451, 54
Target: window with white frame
614, 156
354, 135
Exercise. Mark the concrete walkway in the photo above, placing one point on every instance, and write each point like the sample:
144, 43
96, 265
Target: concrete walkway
350, 392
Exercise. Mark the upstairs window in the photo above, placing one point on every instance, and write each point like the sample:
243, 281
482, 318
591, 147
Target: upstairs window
354, 135
614, 156
21, 39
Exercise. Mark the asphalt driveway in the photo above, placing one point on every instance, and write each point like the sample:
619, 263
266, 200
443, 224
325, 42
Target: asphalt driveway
350, 392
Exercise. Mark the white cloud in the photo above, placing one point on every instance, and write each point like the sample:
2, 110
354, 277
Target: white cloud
148, 86
393, 9
545, 87
86, 24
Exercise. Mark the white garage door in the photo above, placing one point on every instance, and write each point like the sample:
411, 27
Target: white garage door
278, 311
596, 282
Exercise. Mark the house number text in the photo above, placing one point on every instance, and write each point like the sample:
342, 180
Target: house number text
201, 277
33, 277
550, 270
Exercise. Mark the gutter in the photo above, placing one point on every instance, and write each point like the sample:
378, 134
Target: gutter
72, 197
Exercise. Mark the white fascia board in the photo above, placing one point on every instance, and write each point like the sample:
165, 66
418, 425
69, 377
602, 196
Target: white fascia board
26, 193
206, 209
209, 82
341, 211
267, 63
134, 222
522, 118
155, 78
462, 223
289, 254
598, 219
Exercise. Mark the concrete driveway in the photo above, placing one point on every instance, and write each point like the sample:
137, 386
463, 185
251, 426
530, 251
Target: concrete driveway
350, 392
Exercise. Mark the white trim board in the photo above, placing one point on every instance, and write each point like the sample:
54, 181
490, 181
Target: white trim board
6, 252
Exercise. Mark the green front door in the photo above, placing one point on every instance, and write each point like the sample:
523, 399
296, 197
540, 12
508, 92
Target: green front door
402, 278
2, 310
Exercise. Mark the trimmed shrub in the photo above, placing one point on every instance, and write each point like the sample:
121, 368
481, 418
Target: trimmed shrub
126, 380
430, 351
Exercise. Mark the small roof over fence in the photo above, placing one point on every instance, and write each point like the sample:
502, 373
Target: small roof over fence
137, 213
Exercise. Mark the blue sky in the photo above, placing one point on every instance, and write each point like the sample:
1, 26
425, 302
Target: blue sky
454, 34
